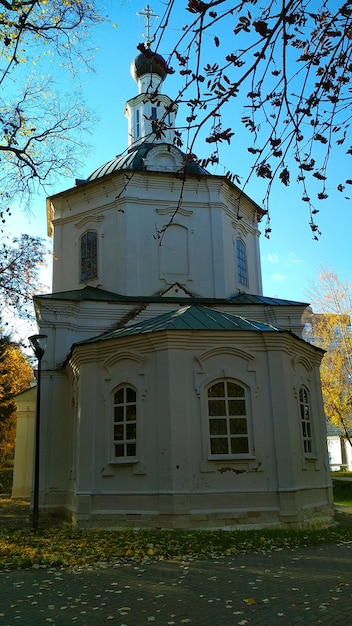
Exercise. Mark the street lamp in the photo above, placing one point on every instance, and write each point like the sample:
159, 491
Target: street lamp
39, 344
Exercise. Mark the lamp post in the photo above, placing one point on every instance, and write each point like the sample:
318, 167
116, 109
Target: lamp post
39, 344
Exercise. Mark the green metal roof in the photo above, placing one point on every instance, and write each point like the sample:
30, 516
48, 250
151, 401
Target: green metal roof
95, 293
187, 318
86, 293
133, 159
247, 298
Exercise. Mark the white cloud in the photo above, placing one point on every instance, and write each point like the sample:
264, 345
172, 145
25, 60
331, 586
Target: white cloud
278, 277
272, 258
293, 259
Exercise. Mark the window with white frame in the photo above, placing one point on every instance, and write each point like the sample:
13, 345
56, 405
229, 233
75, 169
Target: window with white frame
241, 257
125, 422
89, 256
306, 424
228, 419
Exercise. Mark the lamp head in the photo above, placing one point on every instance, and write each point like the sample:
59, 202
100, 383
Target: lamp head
39, 344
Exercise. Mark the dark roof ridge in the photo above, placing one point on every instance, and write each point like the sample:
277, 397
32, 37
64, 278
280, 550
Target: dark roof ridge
96, 293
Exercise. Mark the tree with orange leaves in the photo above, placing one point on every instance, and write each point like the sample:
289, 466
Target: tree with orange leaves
330, 329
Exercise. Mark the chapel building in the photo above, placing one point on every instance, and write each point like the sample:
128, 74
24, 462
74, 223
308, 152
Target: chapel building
174, 393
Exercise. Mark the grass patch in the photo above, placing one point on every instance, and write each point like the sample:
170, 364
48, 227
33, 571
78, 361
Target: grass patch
343, 501
61, 545
342, 473
64, 546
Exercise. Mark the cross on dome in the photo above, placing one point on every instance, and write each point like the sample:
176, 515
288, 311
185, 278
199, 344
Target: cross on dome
148, 14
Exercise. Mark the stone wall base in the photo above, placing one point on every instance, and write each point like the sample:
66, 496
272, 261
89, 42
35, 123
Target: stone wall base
244, 520
211, 521
216, 511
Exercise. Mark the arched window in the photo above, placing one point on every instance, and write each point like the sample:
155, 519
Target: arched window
89, 256
228, 419
241, 257
174, 261
125, 422
306, 424
138, 124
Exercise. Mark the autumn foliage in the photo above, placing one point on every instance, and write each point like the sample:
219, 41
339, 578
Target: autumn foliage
330, 329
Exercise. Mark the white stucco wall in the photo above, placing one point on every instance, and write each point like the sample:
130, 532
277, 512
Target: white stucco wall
23, 463
129, 252
173, 477
337, 445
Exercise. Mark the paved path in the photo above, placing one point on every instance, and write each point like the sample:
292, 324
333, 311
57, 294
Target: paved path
301, 586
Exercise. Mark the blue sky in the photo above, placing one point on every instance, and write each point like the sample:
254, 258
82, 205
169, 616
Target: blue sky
290, 258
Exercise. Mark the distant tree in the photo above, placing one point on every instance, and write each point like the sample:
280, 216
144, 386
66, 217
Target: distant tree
38, 124
331, 330
15, 376
20, 264
287, 64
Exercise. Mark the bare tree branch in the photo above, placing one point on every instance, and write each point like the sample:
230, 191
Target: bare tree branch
289, 64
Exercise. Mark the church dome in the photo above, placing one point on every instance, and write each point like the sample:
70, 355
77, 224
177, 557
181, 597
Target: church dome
149, 63
134, 159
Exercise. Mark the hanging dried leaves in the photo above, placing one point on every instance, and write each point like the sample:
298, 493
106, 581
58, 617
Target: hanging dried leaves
291, 71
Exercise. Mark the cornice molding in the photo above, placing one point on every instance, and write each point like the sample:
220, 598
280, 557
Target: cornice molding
172, 210
89, 218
